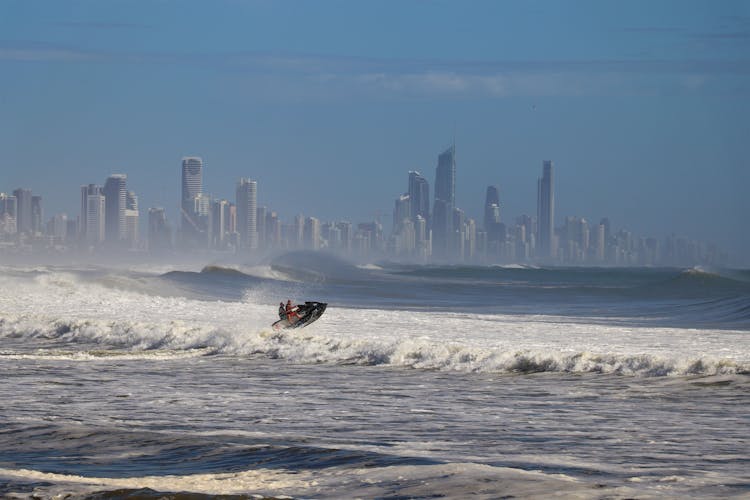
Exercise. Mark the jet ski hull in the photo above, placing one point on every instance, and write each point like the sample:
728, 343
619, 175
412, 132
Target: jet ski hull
307, 313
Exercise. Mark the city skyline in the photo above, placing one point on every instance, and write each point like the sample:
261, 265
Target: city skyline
645, 121
109, 221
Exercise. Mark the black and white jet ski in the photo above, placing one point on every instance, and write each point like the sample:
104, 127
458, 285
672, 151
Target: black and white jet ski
306, 314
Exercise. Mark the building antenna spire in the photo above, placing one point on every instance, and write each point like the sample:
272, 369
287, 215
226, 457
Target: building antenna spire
454, 136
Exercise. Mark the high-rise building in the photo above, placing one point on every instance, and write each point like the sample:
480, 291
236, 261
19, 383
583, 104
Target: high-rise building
312, 233
402, 211
546, 211
23, 210
159, 233
492, 224
298, 230
192, 178
219, 223
445, 199
95, 215
58, 228
491, 207
347, 235
247, 213
115, 193
37, 215
273, 227
445, 176
262, 231
419, 194
8, 211
86, 191
132, 220
192, 187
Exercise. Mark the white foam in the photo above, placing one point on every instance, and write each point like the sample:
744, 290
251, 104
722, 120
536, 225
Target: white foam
372, 267
455, 480
93, 319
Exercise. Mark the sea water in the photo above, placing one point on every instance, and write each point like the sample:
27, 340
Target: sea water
417, 382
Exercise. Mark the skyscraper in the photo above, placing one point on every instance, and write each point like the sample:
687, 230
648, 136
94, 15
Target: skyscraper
95, 214
260, 219
402, 211
86, 191
192, 188
491, 207
546, 210
8, 211
23, 210
445, 199
219, 222
132, 217
159, 234
311, 235
247, 213
37, 215
445, 176
115, 193
419, 194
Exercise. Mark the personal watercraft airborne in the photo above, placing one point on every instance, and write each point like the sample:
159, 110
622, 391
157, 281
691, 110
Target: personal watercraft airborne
303, 315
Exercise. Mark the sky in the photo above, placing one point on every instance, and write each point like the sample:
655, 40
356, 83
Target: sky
643, 106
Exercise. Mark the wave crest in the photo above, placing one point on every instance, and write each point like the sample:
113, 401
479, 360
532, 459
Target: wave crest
97, 339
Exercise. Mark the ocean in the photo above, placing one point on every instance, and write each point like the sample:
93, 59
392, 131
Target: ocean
142, 380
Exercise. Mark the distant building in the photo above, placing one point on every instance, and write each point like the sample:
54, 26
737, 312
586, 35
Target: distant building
402, 212
220, 223
419, 196
347, 235
95, 216
115, 193
58, 228
23, 210
132, 217
159, 233
546, 211
445, 199
37, 215
86, 191
491, 207
247, 213
194, 224
8, 211
312, 233
262, 231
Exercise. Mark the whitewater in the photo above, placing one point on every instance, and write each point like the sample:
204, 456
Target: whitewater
418, 381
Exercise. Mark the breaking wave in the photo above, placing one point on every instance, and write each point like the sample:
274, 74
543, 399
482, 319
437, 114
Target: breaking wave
99, 340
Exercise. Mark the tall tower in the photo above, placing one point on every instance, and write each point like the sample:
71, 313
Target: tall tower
546, 210
8, 211
445, 176
86, 191
419, 194
247, 213
159, 234
445, 202
37, 215
95, 213
132, 216
492, 225
401, 212
491, 207
192, 187
23, 210
115, 194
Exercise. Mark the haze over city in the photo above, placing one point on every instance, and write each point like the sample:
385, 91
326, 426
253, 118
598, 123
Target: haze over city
642, 108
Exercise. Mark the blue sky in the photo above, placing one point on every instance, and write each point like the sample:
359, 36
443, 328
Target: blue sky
643, 106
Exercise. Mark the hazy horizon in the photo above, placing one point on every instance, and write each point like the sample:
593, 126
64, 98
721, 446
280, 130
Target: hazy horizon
642, 107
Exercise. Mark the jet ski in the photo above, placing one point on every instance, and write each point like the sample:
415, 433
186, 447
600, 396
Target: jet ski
306, 314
